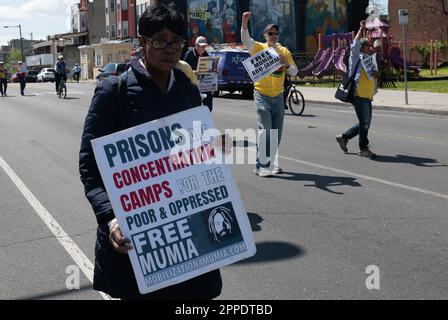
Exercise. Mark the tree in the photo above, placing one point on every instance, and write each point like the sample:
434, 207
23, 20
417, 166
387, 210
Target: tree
381, 5
14, 56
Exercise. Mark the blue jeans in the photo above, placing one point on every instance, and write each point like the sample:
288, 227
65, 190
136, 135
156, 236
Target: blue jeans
270, 112
363, 108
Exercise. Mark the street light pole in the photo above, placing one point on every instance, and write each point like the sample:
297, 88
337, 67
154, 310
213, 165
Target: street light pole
21, 40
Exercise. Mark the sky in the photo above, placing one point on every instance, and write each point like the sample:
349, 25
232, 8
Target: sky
40, 17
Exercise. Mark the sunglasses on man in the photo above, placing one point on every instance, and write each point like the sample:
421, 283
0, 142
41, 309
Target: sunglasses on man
177, 45
271, 34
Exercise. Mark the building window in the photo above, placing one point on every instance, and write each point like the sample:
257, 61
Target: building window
107, 32
99, 61
113, 31
125, 29
124, 5
118, 6
112, 5
109, 58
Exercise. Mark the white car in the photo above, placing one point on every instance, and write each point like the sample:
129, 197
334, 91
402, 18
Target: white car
46, 74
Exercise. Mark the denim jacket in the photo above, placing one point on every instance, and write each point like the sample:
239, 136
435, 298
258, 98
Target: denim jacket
355, 55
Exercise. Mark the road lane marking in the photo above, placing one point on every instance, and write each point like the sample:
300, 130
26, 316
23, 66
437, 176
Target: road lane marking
304, 122
73, 250
361, 176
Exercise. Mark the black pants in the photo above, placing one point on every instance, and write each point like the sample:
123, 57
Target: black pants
22, 85
208, 101
76, 76
3, 86
57, 78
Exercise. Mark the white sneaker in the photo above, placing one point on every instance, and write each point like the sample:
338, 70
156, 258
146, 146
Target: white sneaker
277, 170
263, 172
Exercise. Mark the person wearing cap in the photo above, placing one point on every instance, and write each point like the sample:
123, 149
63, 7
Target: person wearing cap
76, 72
3, 79
153, 88
60, 72
21, 75
364, 92
268, 95
192, 58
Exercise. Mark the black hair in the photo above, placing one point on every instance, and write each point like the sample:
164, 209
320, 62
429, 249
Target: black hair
159, 16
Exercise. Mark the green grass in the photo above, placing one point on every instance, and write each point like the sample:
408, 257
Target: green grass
440, 72
439, 86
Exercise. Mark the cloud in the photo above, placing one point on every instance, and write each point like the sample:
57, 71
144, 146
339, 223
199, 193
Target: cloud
39, 16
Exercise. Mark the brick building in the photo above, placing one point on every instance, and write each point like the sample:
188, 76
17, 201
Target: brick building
428, 20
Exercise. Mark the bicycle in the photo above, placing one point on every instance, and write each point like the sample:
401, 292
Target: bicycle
294, 99
62, 93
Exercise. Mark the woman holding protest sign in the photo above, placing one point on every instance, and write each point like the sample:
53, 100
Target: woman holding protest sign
268, 95
365, 79
151, 89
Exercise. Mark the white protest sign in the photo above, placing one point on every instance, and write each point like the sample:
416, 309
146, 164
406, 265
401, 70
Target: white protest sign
262, 64
370, 66
207, 74
180, 208
208, 82
207, 64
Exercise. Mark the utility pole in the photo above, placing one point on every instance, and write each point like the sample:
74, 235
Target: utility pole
21, 40
403, 18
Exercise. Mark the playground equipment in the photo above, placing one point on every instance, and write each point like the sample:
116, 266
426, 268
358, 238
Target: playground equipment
330, 60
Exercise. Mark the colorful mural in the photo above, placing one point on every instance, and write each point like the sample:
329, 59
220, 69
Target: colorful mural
280, 12
213, 19
325, 17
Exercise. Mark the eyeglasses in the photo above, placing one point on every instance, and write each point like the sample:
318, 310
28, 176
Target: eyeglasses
159, 44
273, 33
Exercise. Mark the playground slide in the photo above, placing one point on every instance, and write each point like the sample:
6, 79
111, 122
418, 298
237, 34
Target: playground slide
398, 61
339, 60
325, 65
308, 70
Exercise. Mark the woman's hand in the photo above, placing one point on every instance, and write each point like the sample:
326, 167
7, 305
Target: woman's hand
120, 243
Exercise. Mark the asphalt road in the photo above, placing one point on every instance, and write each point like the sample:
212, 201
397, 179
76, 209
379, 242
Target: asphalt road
317, 227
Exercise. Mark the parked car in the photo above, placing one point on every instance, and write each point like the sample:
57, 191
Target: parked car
31, 76
232, 76
46, 74
110, 69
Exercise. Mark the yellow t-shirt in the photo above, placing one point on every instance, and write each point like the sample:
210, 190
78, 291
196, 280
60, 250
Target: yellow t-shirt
185, 68
2, 73
272, 85
366, 87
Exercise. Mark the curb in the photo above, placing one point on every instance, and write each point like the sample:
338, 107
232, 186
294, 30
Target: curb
401, 109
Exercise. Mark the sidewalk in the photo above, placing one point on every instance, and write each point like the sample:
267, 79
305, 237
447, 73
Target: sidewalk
423, 102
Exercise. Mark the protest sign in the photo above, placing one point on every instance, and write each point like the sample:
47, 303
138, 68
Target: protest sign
208, 82
262, 64
370, 66
180, 208
207, 64
207, 74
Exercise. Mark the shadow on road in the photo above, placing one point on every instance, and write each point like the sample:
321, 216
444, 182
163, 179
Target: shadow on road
418, 161
274, 251
320, 182
255, 219
55, 293
71, 98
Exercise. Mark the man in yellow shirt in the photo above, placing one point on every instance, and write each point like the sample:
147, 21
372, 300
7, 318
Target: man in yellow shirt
268, 96
3, 79
364, 92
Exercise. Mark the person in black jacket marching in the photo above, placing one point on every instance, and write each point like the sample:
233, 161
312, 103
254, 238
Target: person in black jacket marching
192, 58
153, 88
